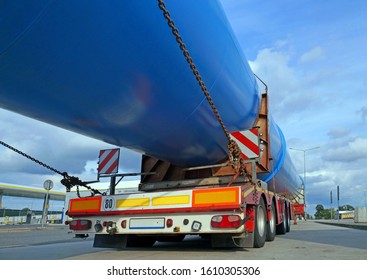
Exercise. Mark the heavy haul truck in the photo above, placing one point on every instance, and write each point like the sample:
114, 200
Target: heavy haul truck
166, 79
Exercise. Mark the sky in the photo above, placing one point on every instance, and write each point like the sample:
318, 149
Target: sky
312, 56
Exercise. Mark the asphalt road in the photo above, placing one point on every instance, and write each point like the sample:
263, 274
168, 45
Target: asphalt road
307, 240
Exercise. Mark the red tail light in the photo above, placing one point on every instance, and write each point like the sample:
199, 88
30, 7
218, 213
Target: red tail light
226, 221
169, 223
80, 224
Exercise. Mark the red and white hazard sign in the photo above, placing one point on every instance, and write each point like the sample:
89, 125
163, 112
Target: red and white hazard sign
248, 142
108, 161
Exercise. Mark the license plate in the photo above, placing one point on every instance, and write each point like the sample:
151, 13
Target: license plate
147, 223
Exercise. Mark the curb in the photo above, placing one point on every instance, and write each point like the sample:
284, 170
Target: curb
354, 226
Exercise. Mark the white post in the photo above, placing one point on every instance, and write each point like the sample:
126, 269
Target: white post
48, 184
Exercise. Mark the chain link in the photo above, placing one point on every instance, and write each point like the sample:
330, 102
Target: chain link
31, 158
68, 181
186, 53
234, 151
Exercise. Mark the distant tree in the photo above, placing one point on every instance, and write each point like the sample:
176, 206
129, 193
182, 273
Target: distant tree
319, 207
346, 208
321, 212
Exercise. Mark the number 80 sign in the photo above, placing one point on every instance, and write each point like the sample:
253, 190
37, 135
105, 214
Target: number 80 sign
108, 203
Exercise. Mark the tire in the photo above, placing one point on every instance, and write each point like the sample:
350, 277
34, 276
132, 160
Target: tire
288, 220
260, 225
271, 224
282, 227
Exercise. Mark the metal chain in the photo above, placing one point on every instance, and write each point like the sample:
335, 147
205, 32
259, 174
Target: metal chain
31, 158
68, 181
234, 151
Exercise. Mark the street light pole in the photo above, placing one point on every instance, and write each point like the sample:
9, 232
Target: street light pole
304, 169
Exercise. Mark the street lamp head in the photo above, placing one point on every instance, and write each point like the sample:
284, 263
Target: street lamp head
314, 148
305, 150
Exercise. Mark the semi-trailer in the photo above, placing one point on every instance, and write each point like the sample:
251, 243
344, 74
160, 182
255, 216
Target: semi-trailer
170, 81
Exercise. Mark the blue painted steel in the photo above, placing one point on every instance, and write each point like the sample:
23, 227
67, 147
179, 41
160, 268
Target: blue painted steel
283, 176
113, 71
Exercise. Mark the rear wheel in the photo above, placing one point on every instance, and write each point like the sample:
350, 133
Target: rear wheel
288, 219
260, 225
271, 224
282, 227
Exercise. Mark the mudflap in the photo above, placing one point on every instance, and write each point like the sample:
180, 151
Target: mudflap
117, 241
243, 240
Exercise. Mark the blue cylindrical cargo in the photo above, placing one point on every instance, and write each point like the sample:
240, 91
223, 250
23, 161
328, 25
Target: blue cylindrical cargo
112, 70
282, 176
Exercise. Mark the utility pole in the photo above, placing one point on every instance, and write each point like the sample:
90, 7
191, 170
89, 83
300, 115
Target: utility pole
331, 204
304, 169
337, 195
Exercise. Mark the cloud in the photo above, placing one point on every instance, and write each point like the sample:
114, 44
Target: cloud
63, 150
315, 54
351, 183
273, 67
363, 113
290, 89
312, 110
338, 132
354, 149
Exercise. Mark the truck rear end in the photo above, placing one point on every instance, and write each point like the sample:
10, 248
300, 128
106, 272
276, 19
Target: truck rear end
141, 219
217, 202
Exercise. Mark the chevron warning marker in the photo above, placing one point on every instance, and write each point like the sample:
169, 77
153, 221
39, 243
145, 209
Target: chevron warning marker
108, 161
248, 142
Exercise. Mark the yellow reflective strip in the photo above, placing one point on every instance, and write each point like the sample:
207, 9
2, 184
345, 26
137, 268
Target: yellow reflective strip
215, 197
85, 205
132, 202
171, 200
